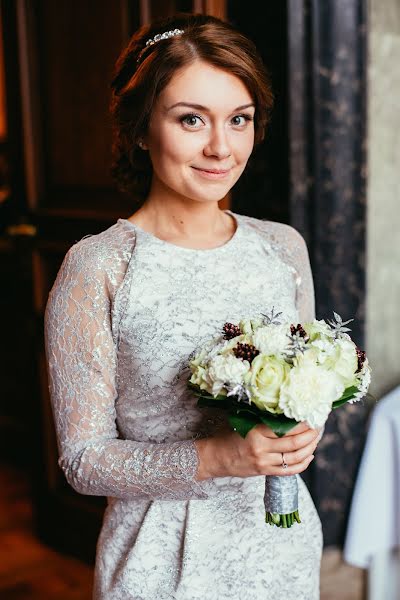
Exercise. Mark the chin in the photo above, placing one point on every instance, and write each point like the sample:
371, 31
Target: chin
209, 193
211, 197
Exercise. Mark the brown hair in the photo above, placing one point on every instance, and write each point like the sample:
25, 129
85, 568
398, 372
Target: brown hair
141, 73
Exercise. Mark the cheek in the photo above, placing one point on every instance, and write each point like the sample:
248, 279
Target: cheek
245, 146
173, 146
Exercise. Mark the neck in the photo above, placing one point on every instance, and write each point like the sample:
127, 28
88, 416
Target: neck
184, 219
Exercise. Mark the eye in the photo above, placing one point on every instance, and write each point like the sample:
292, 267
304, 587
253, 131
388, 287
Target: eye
191, 120
245, 119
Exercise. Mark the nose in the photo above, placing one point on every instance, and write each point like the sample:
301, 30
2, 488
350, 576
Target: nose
218, 143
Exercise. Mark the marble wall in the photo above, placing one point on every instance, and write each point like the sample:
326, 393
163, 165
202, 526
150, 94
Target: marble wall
383, 216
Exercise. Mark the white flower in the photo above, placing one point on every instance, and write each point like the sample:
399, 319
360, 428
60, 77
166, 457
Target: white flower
265, 379
271, 339
344, 362
226, 369
337, 355
249, 325
199, 377
228, 345
322, 349
198, 359
213, 348
309, 392
318, 329
364, 377
340, 356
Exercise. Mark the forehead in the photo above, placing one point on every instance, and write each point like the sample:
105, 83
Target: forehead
202, 83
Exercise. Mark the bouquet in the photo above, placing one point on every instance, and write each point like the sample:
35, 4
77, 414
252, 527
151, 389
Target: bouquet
267, 371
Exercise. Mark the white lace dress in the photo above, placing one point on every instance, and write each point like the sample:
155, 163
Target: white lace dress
125, 312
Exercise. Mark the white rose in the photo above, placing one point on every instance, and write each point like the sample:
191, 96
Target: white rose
308, 393
265, 379
226, 369
271, 339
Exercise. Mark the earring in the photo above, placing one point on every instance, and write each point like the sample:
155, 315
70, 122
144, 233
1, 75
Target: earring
140, 144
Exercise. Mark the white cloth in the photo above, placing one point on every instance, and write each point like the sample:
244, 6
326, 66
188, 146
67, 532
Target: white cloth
374, 518
125, 313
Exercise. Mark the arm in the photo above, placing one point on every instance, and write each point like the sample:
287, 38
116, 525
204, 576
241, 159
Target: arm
291, 247
297, 256
81, 363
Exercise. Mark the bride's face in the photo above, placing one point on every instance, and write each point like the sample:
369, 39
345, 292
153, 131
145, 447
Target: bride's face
201, 133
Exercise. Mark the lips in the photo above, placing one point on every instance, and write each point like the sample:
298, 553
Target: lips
213, 174
216, 171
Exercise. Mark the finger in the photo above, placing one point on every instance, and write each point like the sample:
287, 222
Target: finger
303, 426
291, 470
294, 442
294, 458
265, 430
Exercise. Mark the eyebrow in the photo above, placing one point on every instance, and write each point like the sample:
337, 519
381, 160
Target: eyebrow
200, 107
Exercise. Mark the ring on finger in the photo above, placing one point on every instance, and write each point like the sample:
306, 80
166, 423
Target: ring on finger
284, 464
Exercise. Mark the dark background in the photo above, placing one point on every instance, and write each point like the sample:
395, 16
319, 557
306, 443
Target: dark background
55, 187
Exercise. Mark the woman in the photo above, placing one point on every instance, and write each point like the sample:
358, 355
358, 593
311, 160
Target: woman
185, 512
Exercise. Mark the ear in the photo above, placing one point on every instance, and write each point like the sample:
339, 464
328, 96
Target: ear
142, 143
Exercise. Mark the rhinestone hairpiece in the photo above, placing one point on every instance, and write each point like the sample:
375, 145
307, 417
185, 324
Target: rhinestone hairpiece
163, 36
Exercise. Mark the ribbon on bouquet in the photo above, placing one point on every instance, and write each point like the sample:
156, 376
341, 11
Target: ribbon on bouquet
281, 494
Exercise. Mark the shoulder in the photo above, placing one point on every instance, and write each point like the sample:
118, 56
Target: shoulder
277, 233
102, 258
104, 250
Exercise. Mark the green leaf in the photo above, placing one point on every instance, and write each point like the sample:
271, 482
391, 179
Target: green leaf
348, 392
244, 417
214, 402
241, 409
242, 424
347, 395
280, 424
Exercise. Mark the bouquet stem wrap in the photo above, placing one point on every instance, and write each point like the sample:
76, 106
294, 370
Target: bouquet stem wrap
281, 500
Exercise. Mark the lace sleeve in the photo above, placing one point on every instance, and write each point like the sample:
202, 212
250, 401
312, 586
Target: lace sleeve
292, 248
298, 252
81, 364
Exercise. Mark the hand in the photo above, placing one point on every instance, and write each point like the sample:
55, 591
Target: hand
227, 454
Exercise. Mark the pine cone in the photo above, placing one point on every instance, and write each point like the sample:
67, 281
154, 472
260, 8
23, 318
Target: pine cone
299, 329
361, 355
245, 351
231, 331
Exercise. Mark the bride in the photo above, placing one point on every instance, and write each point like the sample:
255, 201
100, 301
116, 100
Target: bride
185, 512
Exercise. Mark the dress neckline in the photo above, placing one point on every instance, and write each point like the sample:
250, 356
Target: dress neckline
168, 245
